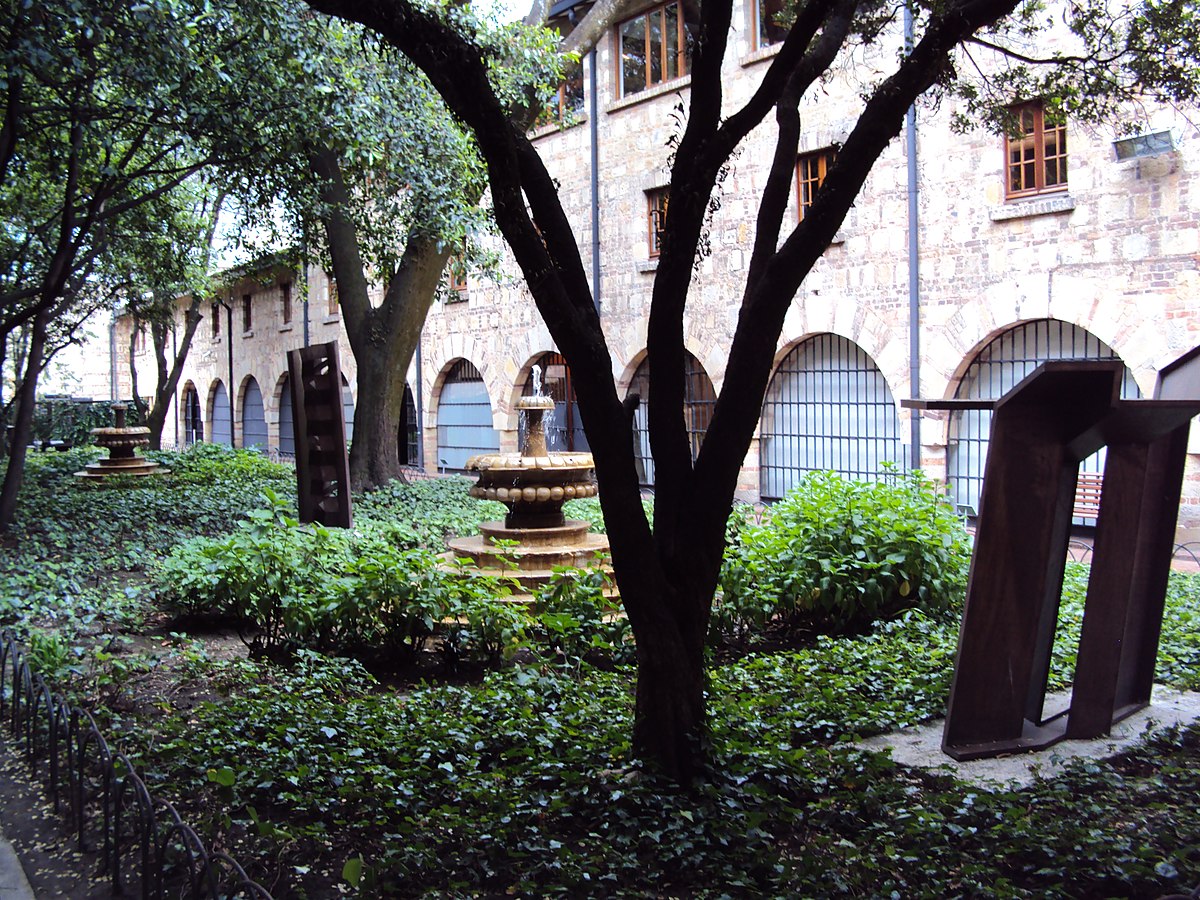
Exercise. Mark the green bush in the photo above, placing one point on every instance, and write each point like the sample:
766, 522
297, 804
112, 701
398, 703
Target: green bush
576, 620
427, 511
836, 555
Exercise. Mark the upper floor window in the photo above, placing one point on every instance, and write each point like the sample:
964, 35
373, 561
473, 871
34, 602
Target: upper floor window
810, 175
456, 279
656, 217
216, 319
285, 292
772, 21
247, 319
656, 44
331, 285
1035, 152
567, 102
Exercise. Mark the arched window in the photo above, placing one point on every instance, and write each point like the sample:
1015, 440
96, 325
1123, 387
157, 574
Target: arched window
254, 420
464, 418
287, 426
995, 370
193, 418
699, 398
219, 415
348, 410
407, 441
828, 407
564, 428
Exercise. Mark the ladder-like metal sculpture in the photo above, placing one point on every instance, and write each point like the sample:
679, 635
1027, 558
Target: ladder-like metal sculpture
1061, 413
322, 464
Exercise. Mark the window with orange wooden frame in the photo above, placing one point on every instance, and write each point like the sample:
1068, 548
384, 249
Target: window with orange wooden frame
811, 169
656, 218
655, 45
1035, 153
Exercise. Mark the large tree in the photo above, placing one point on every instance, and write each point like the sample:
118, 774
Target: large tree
384, 186
667, 574
168, 275
106, 108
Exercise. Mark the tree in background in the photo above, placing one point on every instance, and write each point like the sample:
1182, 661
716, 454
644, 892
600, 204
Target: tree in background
169, 274
107, 108
667, 575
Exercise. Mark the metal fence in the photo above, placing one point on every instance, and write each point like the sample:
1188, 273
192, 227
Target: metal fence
994, 371
828, 406
144, 847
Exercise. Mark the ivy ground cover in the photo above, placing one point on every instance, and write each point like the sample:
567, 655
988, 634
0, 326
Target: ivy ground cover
327, 779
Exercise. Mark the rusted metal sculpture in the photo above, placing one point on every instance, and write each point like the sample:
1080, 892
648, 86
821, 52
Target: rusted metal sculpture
322, 463
1041, 429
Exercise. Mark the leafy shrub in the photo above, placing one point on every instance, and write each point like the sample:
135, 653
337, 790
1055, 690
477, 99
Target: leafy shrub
342, 591
836, 555
575, 619
427, 511
203, 463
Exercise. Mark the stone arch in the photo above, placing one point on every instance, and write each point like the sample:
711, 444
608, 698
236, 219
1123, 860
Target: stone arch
220, 419
497, 378
252, 418
993, 368
285, 436
699, 400
192, 414
828, 405
464, 415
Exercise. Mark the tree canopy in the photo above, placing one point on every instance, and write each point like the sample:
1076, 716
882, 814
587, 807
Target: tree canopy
667, 574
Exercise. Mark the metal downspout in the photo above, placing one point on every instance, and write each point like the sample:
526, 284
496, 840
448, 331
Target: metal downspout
112, 360
232, 387
594, 128
420, 402
914, 262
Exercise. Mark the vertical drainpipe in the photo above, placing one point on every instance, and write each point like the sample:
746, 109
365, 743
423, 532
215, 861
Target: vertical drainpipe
914, 260
232, 387
419, 399
112, 360
304, 275
594, 127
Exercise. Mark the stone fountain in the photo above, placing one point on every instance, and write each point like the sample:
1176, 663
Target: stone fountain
122, 442
534, 484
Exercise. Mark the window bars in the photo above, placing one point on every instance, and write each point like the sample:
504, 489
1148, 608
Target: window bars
828, 407
995, 370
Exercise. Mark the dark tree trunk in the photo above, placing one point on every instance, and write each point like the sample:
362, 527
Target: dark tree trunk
384, 338
667, 577
167, 380
26, 400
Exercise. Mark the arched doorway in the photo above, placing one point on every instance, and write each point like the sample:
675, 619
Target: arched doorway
464, 418
219, 416
699, 398
254, 419
193, 418
996, 369
827, 407
407, 441
564, 428
287, 433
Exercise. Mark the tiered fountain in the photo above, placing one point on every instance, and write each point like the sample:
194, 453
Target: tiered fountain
121, 442
534, 484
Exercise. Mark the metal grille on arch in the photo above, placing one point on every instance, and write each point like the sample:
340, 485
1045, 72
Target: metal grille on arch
1040, 432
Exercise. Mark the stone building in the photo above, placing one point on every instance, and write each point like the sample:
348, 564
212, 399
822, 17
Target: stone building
967, 259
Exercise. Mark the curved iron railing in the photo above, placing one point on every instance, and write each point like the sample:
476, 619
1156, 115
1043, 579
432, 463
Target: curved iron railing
144, 845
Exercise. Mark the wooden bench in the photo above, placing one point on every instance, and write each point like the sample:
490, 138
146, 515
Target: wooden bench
1087, 495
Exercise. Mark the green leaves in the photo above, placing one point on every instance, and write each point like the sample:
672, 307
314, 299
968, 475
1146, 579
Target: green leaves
836, 555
